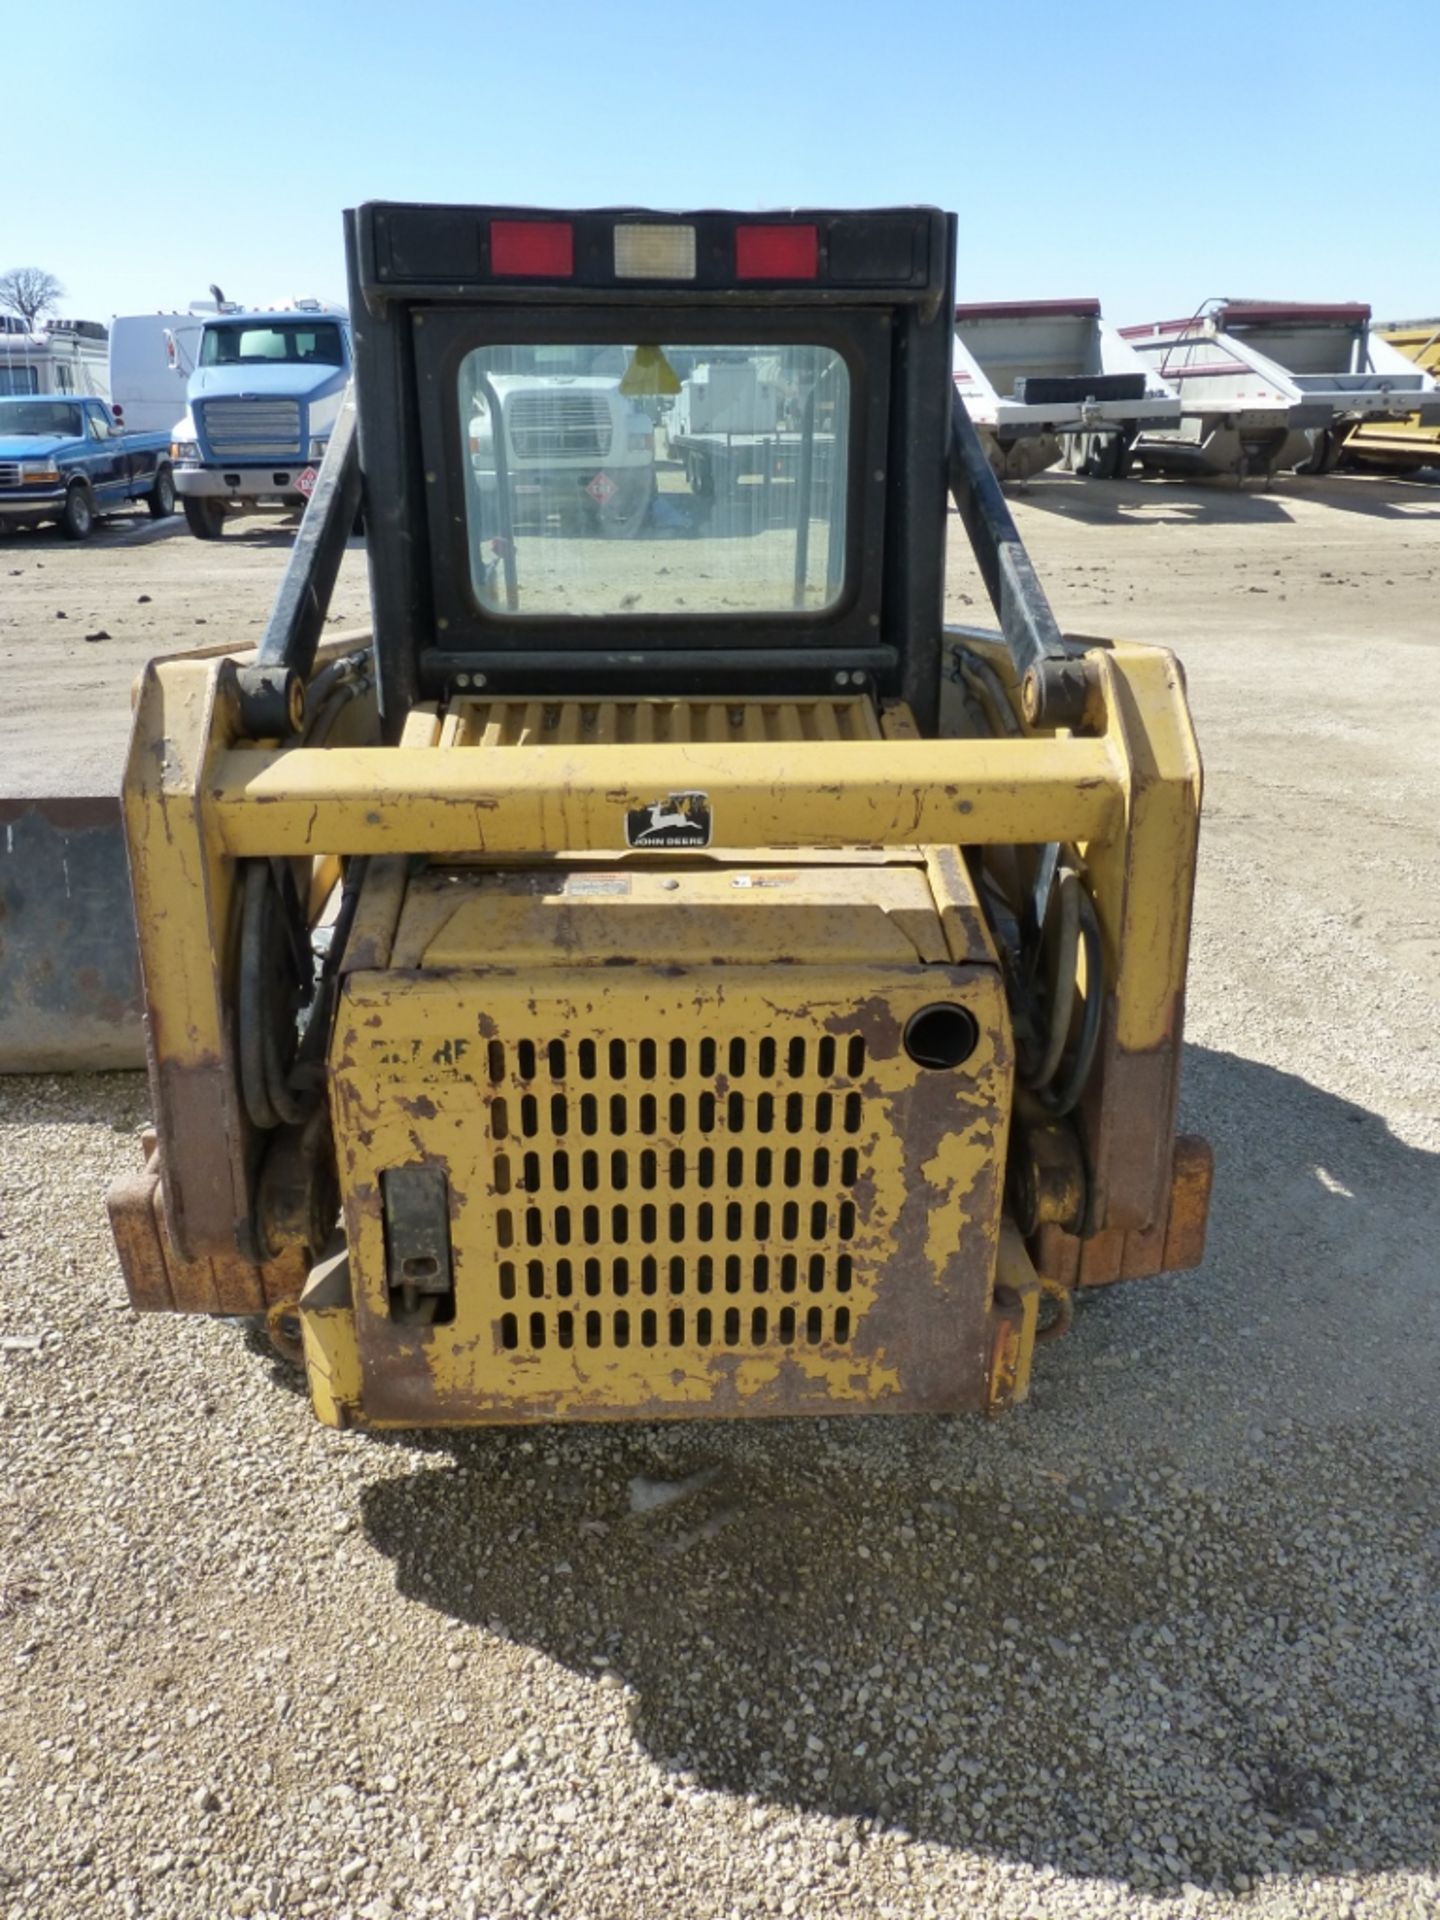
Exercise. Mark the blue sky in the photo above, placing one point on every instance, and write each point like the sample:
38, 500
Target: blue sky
1152, 155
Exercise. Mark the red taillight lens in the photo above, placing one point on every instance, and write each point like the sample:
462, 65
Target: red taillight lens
539, 249
777, 253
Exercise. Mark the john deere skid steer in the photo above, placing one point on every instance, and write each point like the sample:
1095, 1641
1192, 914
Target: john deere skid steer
666, 971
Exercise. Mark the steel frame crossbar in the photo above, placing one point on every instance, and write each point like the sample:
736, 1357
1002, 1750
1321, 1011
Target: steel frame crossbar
550, 799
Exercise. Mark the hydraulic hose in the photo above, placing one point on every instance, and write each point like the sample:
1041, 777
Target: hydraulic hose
1062, 1099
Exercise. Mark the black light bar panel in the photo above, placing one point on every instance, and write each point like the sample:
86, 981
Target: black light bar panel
468, 251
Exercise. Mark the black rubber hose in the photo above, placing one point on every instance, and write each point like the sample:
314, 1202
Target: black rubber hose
1064, 1098
250, 1012
264, 1083
329, 675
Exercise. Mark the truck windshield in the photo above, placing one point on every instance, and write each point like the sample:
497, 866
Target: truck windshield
306, 343
655, 479
40, 417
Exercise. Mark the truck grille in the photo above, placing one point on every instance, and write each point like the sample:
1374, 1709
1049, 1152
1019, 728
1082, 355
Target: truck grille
9, 473
617, 1169
547, 426
252, 429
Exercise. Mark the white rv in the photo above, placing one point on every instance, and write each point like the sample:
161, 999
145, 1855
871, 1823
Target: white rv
59, 356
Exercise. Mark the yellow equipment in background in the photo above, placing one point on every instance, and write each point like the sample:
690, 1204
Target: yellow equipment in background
667, 972
1402, 445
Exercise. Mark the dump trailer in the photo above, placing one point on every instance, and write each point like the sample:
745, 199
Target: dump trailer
1403, 446
1270, 386
673, 976
1042, 378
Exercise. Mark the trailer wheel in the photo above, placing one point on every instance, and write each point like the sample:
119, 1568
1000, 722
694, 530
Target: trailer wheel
1326, 446
161, 498
701, 476
1103, 456
205, 518
77, 520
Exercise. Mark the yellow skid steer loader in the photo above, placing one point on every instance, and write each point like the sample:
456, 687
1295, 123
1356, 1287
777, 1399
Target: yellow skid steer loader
666, 971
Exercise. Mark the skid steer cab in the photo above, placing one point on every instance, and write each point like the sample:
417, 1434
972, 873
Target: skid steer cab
664, 970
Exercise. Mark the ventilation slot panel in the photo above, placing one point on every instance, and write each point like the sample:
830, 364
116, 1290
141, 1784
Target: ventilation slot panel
676, 1191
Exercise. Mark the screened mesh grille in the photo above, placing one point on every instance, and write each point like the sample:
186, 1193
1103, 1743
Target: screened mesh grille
252, 429
559, 425
677, 1191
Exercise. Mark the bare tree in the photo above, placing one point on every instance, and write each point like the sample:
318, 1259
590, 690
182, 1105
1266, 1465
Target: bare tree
29, 291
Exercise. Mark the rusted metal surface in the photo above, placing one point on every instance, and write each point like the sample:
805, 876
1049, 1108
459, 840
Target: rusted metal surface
1194, 1177
158, 1280
69, 965
1013, 1323
411, 1085
655, 1252
187, 712
298, 1195
1046, 1185
1141, 876
1173, 1244
132, 1203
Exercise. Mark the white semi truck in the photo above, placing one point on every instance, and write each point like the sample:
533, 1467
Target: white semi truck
576, 452
263, 396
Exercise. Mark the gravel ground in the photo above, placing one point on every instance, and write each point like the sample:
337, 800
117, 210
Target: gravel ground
1166, 1642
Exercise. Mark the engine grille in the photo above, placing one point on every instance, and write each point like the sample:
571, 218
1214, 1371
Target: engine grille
617, 1221
252, 429
673, 1188
9, 473
547, 426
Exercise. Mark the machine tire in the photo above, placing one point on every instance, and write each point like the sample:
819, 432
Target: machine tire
77, 518
160, 501
205, 518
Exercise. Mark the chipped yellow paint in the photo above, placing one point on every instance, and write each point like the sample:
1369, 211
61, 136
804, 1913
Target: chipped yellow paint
551, 784
584, 1289
1010, 1365
574, 799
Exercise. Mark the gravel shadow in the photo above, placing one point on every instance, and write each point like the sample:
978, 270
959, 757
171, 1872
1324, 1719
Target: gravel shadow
1175, 1622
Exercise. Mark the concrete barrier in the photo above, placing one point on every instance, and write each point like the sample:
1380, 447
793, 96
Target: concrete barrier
70, 995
